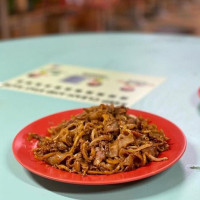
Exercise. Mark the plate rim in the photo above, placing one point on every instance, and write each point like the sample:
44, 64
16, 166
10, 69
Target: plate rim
78, 182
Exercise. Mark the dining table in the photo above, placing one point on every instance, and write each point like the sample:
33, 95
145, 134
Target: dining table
175, 57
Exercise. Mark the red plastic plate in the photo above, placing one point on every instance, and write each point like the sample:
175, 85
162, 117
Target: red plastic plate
22, 149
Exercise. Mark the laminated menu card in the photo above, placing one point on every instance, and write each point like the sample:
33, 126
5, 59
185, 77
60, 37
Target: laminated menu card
83, 84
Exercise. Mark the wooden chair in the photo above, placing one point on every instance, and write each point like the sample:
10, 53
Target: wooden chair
4, 25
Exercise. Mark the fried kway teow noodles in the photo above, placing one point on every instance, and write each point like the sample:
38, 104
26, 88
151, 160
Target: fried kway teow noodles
101, 140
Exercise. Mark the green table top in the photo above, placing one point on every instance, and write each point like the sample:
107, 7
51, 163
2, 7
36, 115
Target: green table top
174, 57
